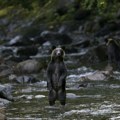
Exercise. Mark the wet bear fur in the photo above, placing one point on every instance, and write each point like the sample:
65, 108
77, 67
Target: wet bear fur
56, 77
113, 50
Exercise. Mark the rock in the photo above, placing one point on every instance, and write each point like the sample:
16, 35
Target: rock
3, 67
5, 92
41, 84
83, 85
56, 38
28, 97
39, 96
27, 51
20, 41
47, 44
4, 102
72, 96
6, 73
96, 76
28, 66
2, 113
12, 77
26, 79
15, 40
5, 70
5, 52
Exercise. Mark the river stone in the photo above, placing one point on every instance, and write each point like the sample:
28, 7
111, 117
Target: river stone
12, 77
26, 79
39, 96
96, 76
4, 102
28, 66
20, 41
2, 113
5, 70
5, 92
29, 97
72, 95
5, 73
2, 116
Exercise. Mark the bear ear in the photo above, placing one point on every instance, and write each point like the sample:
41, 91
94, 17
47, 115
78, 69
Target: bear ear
63, 47
53, 47
106, 40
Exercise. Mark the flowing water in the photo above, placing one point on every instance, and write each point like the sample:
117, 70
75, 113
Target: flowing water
99, 100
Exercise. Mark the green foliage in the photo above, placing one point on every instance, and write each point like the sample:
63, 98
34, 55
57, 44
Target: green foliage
27, 4
88, 4
45, 10
100, 5
3, 12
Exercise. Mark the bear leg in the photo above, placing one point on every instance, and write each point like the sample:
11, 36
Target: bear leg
52, 97
62, 97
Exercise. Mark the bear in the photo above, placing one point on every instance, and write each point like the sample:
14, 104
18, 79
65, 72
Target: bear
113, 51
56, 77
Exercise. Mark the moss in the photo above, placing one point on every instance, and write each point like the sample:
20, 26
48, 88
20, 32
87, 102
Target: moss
3, 12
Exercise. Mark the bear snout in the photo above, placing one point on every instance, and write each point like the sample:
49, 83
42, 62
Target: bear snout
58, 53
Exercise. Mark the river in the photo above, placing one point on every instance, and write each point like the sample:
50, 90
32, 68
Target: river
98, 100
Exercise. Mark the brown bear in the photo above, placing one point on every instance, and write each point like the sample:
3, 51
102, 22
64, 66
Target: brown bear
113, 49
56, 77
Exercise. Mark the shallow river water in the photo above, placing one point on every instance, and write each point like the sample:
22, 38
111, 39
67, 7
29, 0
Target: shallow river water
98, 100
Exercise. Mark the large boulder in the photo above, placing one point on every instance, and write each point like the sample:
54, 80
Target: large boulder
96, 76
28, 67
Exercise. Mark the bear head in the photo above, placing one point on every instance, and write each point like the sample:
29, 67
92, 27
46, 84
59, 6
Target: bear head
58, 53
